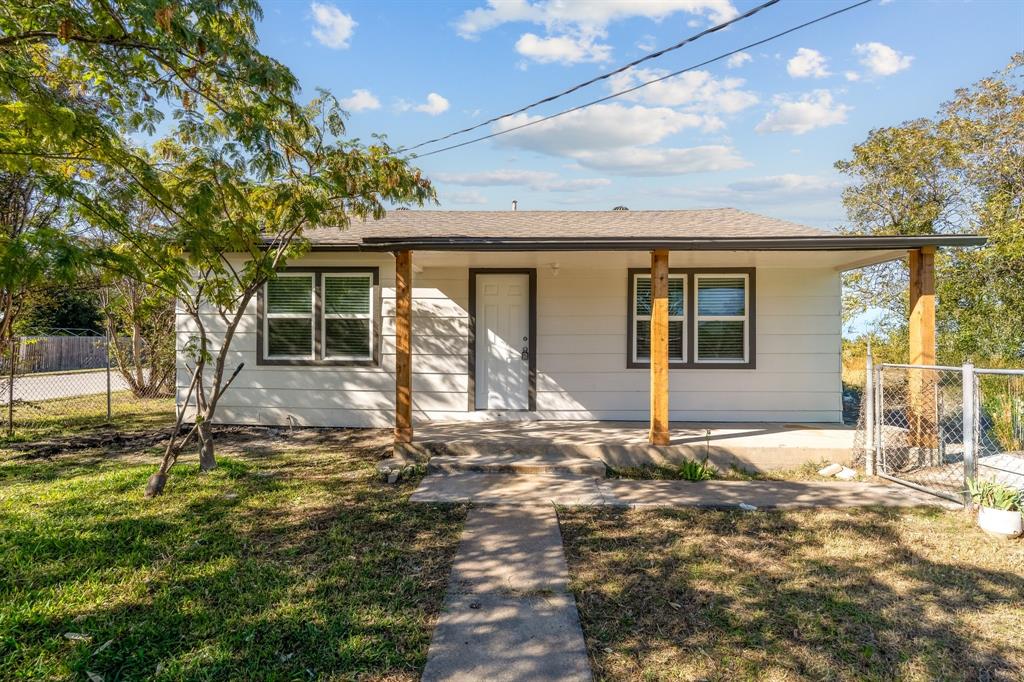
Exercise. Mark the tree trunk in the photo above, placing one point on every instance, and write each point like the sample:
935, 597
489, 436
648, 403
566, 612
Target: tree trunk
207, 461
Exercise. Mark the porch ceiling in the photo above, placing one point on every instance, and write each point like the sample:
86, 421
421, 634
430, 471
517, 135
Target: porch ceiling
839, 260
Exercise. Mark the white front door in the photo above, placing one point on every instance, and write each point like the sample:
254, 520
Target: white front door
502, 341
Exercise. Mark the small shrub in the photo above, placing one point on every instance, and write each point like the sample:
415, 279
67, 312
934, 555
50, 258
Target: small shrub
692, 470
995, 495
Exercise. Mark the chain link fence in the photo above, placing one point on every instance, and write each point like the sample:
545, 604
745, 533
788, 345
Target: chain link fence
935, 428
52, 386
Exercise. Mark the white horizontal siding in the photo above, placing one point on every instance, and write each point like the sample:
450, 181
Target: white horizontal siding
581, 348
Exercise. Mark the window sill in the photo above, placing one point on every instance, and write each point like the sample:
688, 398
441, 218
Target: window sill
299, 362
696, 365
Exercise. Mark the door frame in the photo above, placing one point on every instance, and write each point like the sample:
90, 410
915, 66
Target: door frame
531, 345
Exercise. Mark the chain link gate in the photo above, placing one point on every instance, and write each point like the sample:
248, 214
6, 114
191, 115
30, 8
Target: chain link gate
934, 427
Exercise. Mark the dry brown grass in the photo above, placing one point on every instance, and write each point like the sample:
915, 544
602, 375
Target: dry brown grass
870, 594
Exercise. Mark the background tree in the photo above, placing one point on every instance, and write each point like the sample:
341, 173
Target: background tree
139, 320
63, 308
35, 248
962, 171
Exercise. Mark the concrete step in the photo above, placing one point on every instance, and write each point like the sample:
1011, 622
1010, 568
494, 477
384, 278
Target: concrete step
503, 489
503, 463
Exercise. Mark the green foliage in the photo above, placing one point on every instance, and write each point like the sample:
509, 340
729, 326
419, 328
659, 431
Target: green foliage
35, 247
961, 172
243, 170
73, 307
995, 495
693, 470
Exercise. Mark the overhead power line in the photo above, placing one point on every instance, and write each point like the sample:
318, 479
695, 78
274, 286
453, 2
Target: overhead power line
620, 93
603, 76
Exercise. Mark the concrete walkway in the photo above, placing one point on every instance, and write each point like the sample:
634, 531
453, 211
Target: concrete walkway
508, 614
575, 490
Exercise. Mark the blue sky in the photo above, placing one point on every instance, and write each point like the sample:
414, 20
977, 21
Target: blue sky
760, 132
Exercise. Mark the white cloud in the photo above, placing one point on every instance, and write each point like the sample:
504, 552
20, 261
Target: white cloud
881, 59
698, 91
807, 62
361, 100
646, 161
543, 181
617, 138
435, 104
563, 49
796, 197
813, 110
788, 185
603, 126
583, 16
333, 27
470, 197
647, 43
852, 76
737, 60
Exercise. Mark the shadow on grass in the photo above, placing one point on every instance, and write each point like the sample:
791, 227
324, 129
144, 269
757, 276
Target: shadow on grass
861, 594
286, 562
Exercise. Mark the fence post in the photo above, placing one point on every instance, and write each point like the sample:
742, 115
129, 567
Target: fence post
869, 416
10, 388
107, 348
970, 435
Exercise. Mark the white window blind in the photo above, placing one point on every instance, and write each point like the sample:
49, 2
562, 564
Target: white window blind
347, 316
722, 318
289, 316
676, 318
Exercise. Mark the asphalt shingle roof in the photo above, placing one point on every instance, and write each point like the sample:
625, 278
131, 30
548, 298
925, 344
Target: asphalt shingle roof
715, 223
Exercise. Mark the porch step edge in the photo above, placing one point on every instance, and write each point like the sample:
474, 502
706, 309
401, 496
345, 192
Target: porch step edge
448, 464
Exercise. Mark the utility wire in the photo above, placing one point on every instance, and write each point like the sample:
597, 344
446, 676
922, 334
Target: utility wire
604, 76
650, 82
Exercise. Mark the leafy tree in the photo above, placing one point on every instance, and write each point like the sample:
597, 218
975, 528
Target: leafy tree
140, 320
961, 172
239, 176
234, 228
53, 309
35, 249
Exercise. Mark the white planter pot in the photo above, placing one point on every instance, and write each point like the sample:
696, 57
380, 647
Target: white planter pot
1001, 522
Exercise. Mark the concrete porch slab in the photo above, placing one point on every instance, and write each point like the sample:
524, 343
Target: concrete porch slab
751, 446
488, 489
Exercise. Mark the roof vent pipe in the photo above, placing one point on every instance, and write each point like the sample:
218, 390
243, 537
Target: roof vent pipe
515, 205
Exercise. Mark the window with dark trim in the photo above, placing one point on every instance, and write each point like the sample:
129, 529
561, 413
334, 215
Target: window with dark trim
319, 316
711, 318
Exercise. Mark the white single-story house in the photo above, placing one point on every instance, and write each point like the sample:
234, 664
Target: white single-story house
455, 316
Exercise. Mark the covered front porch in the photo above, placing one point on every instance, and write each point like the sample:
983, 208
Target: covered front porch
782, 340
576, 446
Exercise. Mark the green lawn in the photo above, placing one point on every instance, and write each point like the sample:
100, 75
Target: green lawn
803, 595
290, 561
62, 418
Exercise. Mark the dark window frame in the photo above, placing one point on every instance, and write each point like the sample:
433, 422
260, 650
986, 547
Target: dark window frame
691, 317
318, 321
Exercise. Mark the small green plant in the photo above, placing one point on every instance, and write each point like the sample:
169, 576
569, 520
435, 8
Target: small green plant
692, 470
995, 495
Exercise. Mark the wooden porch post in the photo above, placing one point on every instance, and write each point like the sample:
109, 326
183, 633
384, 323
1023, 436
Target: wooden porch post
921, 384
659, 434
403, 344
